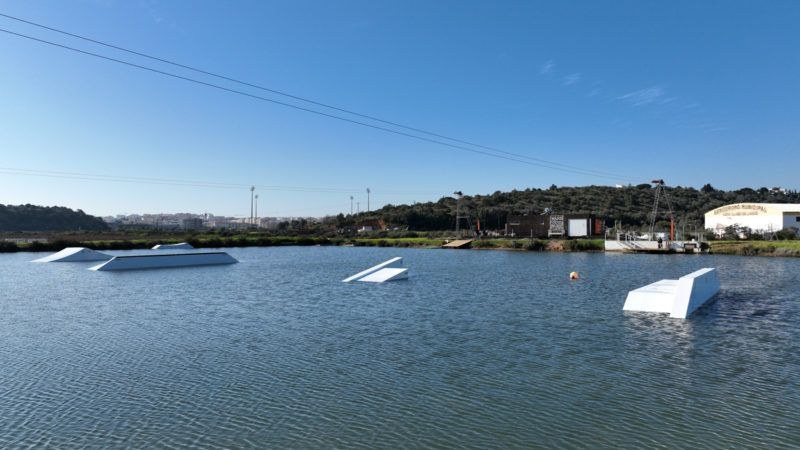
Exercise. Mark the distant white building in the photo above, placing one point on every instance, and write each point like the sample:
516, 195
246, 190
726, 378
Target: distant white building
759, 217
192, 223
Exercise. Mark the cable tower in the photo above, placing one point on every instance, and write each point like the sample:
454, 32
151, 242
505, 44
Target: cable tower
662, 192
461, 214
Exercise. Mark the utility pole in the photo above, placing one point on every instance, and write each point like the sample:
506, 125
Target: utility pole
367, 199
256, 221
351, 205
252, 199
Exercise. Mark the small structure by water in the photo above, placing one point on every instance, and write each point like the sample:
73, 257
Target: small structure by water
179, 246
390, 270
158, 261
75, 254
460, 243
680, 298
630, 243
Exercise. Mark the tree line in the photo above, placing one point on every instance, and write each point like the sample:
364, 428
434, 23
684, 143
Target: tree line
47, 218
631, 206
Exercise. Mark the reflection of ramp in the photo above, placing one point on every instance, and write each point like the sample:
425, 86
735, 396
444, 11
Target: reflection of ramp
680, 298
386, 271
461, 243
75, 254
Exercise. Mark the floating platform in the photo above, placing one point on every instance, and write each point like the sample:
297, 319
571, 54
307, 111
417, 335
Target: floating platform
75, 254
680, 298
180, 246
390, 270
134, 262
634, 246
460, 243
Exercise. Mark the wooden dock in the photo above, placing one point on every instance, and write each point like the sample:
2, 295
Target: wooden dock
461, 243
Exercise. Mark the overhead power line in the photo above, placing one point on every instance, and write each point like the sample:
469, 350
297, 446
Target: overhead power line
524, 159
82, 176
304, 99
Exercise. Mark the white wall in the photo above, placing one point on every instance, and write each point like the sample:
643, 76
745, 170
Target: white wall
578, 227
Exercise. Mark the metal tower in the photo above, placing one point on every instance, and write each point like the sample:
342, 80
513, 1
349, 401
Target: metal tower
662, 192
459, 214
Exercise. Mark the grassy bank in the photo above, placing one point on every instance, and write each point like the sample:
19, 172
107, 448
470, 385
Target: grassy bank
271, 241
756, 248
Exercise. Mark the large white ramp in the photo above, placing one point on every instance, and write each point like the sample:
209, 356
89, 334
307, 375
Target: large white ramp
179, 246
75, 254
680, 298
159, 261
390, 270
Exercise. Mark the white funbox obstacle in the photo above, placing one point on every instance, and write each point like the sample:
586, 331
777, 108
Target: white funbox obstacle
390, 270
158, 261
680, 298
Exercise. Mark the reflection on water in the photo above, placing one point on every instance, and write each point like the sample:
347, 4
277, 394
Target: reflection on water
477, 349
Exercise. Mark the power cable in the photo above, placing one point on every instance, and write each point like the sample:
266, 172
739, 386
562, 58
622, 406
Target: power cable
296, 97
544, 164
190, 183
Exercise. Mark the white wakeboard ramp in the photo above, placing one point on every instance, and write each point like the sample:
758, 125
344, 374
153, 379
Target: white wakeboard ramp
390, 270
680, 298
158, 261
179, 246
75, 254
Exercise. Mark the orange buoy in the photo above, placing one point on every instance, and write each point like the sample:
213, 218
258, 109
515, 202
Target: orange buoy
573, 276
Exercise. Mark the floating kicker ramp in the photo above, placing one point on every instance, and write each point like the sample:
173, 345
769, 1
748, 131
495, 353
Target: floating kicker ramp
75, 254
180, 246
159, 261
390, 270
680, 298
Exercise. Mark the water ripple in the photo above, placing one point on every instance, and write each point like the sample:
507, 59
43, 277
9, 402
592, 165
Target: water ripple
475, 350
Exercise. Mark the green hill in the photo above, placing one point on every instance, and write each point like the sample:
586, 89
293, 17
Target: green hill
632, 205
47, 218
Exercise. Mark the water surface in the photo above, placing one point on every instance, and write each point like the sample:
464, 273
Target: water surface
478, 349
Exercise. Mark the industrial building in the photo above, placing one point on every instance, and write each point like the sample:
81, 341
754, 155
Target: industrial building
554, 225
759, 217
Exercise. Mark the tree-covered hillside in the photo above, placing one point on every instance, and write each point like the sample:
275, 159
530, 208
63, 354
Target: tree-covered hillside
632, 205
47, 218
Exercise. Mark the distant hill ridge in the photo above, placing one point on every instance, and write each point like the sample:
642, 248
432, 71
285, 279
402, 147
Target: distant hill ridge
632, 205
47, 218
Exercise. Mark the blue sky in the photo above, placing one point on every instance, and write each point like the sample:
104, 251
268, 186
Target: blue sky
691, 92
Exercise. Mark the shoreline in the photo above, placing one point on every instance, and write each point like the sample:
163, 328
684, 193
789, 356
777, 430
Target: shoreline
740, 248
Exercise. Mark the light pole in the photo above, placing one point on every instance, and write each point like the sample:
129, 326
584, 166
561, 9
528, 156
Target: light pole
351, 205
252, 199
358, 207
256, 221
367, 199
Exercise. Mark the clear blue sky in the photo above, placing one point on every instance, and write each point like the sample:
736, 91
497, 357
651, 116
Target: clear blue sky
691, 92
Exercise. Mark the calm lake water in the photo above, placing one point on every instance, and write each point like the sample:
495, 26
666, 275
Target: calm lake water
478, 349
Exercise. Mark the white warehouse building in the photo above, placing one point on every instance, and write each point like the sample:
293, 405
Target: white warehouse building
759, 217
